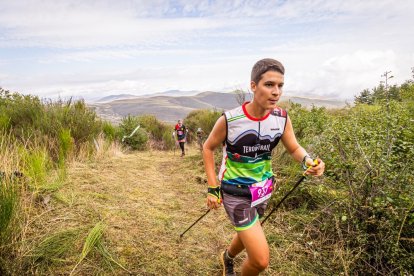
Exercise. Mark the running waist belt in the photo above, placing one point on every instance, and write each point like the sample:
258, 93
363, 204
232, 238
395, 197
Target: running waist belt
236, 190
239, 190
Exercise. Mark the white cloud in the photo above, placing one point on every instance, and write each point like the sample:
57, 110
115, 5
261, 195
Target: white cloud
123, 53
346, 75
138, 46
65, 25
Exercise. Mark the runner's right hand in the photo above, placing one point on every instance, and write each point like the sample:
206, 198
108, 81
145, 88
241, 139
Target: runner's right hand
213, 202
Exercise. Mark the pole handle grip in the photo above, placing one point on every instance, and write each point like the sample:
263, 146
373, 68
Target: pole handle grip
315, 163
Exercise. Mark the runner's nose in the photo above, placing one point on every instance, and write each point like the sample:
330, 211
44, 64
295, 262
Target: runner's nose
276, 91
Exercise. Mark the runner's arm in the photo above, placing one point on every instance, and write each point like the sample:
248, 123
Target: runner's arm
298, 152
214, 140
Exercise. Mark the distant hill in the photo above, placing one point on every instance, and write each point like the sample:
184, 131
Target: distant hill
115, 97
174, 93
309, 102
170, 108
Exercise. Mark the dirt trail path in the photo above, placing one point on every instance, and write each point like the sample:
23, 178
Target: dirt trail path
147, 199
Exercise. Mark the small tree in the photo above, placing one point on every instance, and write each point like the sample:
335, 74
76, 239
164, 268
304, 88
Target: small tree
241, 95
365, 97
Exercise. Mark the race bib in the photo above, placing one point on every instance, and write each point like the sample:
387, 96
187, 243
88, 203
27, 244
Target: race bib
180, 132
261, 191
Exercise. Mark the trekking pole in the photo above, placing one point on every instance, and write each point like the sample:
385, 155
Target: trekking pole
132, 133
283, 199
195, 223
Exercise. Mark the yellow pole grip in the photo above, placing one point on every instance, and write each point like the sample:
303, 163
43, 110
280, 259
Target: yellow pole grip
315, 163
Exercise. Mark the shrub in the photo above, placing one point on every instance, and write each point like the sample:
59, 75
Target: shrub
110, 131
33, 121
203, 118
168, 139
363, 208
159, 135
371, 151
139, 140
154, 127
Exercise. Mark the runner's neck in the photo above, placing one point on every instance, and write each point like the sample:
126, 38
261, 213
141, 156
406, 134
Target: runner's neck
255, 112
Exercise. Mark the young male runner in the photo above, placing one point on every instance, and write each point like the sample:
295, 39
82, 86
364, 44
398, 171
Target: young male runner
248, 134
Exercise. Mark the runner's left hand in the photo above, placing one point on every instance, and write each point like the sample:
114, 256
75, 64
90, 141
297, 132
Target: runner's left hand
316, 170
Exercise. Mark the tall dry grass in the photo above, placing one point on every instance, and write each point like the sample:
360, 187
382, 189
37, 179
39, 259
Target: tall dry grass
39, 139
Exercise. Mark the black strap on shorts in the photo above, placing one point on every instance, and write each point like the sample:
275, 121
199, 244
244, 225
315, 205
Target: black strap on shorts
236, 190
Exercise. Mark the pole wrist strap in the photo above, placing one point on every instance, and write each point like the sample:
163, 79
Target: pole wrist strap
304, 161
214, 191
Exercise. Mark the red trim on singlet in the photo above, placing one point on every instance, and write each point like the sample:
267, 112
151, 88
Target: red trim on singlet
222, 175
251, 117
282, 111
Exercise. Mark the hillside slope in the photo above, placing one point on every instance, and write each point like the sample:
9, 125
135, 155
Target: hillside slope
170, 109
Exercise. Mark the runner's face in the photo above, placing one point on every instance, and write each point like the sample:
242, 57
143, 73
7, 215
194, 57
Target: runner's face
269, 89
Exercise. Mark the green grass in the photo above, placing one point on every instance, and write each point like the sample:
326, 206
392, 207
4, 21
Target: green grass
93, 239
94, 243
37, 164
55, 247
9, 203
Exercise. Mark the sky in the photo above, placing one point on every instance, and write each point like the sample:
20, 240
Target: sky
330, 49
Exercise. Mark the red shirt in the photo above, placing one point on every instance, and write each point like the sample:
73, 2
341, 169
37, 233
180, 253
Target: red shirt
181, 131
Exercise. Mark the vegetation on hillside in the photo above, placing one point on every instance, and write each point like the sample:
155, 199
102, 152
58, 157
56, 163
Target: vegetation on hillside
151, 134
204, 119
37, 140
357, 219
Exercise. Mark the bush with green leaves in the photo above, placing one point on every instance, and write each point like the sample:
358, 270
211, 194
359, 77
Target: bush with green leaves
153, 126
365, 203
168, 139
367, 152
203, 118
307, 124
110, 131
151, 134
160, 133
139, 140
35, 121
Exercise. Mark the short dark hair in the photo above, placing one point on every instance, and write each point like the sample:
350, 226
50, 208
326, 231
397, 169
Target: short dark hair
264, 65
